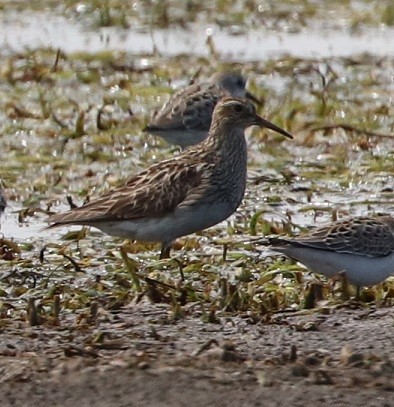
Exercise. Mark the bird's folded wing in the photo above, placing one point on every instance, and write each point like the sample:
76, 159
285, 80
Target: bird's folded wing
154, 192
190, 108
372, 239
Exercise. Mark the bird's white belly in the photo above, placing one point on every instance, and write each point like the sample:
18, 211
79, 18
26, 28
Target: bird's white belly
359, 270
165, 229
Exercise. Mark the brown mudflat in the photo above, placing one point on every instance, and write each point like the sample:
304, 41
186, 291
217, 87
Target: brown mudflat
146, 359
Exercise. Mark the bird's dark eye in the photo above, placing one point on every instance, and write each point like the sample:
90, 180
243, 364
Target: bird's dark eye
238, 108
240, 82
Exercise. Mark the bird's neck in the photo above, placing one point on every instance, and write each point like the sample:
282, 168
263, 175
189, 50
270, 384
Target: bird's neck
224, 136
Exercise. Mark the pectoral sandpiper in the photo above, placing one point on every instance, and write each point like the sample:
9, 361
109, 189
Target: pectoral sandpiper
182, 195
362, 248
186, 118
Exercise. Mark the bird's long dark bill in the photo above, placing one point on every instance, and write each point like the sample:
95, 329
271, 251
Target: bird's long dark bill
253, 98
265, 123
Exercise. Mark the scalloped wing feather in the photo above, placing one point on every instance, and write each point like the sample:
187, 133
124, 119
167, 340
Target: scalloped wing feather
363, 236
189, 108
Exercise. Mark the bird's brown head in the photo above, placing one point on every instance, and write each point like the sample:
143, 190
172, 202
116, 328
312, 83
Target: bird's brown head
242, 114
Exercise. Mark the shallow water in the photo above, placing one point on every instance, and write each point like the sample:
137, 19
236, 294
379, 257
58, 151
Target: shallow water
38, 29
